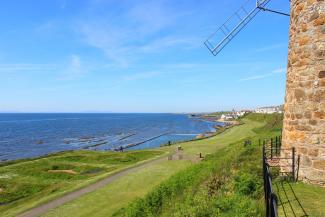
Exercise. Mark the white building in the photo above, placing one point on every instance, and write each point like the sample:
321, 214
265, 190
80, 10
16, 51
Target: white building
232, 115
269, 110
240, 113
226, 117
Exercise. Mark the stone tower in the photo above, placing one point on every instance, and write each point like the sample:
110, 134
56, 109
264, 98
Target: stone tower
304, 121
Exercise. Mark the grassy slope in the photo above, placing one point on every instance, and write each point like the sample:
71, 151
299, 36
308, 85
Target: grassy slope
107, 200
27, 183
108, 203
213, 144
227, 183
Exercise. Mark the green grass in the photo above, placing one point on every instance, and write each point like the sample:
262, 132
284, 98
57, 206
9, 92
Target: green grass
273, 123
106, 203
26, 183
226, 183
213, 144
311, 198
107, 200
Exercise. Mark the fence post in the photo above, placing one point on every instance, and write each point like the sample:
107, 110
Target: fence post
298, 165
279, 145
276, 146
271, 148
293, 163
265, 180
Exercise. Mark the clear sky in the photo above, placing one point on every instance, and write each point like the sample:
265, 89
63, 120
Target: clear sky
137, 56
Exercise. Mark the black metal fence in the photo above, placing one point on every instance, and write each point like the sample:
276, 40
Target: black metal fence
289, 162
280, 196
271, 203
287, 165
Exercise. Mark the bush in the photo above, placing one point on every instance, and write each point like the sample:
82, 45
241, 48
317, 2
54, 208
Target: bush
246, 184
55, 167
236, 205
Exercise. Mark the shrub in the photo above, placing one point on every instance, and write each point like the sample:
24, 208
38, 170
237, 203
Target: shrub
55, 167
246, 184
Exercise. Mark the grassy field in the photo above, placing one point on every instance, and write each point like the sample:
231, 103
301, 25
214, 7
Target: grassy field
227, 183
27, 183
104, 201
311, 199
206, 189
213, 144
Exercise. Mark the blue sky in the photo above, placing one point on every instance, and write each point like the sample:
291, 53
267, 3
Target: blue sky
137, 56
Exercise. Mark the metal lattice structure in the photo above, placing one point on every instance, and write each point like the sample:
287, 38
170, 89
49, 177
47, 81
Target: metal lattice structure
235, 23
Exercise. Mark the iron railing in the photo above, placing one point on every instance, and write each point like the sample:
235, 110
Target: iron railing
289, 163
271, 202
285, 162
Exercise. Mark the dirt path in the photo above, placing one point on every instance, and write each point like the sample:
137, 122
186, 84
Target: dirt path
42, 209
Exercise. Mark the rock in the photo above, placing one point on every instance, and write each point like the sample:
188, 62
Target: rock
320, 20
313, 152
305, 161
314, 16
200, 136
303, 41
313, 122
299, 94
302, 150
319, 164
320, 114
321, 74
322, 29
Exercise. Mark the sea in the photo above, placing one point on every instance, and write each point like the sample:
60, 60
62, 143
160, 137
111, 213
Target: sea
32, 135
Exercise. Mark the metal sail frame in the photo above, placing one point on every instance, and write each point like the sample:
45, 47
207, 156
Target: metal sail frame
229, 33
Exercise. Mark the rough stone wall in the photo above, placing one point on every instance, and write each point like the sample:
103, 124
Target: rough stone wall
304, 121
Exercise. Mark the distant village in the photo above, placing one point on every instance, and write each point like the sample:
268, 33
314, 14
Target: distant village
262, 110
233, 115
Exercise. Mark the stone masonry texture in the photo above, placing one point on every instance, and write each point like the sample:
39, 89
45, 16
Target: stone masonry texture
304, 110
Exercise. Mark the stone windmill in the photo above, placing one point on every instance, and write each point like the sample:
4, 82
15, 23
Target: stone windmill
304, 110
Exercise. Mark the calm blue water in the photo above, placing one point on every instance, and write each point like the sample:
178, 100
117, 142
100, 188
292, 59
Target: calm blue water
31, 135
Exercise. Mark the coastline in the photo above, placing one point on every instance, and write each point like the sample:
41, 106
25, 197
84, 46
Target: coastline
105, 132
207, 135
219, 130
160, 152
